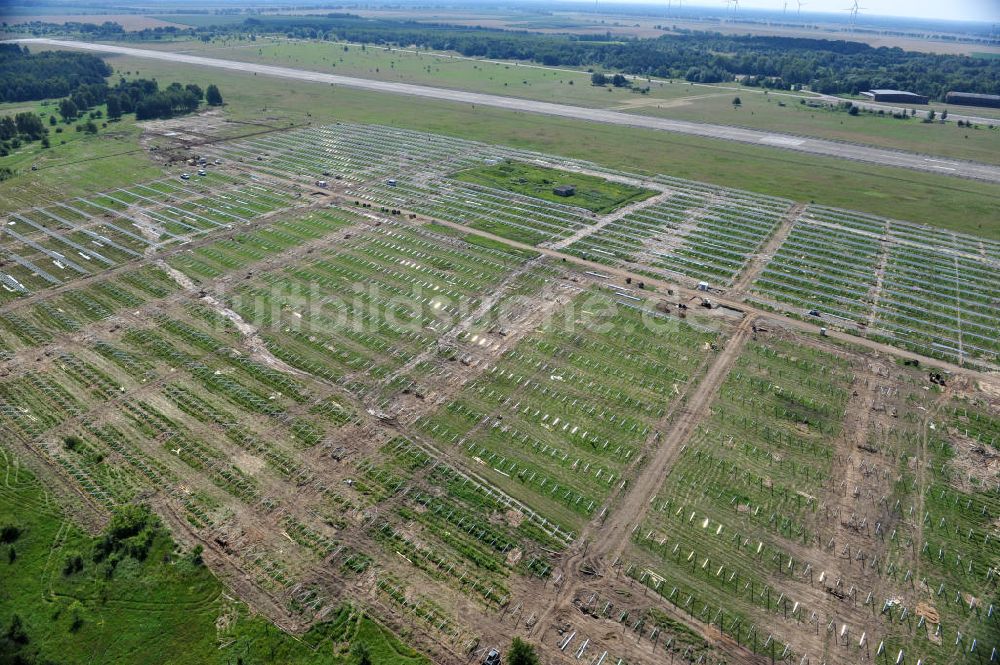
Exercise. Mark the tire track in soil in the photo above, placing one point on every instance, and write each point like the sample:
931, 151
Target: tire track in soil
766, 251
861, 415
616, 530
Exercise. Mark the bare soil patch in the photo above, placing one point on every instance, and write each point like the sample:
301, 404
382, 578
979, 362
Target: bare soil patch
131, 22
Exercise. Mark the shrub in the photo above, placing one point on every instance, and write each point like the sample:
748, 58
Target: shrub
361, 654
130, 533
213, 96
16, 632
76, 618
521, 653
73, 563
9, 533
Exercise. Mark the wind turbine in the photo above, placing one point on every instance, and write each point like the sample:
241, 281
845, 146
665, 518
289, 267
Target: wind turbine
800, 8
784, 9
854, 9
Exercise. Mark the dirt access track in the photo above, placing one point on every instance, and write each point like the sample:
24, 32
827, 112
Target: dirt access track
899, 159
313, 492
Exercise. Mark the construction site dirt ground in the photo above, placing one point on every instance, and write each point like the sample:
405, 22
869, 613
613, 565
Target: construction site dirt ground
250, 545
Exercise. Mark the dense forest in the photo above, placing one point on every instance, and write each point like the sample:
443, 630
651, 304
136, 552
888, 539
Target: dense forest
143, 97
26, 76
828, 66
80, 79
78, 82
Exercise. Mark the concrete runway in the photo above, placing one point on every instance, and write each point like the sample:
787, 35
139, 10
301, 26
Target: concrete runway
853, 151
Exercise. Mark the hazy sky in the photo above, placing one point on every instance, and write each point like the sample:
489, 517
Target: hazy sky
961, 10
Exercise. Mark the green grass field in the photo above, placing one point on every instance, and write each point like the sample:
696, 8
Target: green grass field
670, 99
953, 203
787, 115
594, 194
566, 86
946, 202
157, 610
76, 163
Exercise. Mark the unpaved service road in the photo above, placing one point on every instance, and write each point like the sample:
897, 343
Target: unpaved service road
861, 153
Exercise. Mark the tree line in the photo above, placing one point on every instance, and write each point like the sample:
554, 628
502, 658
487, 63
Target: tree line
143, 97
827, 66
26, 76
81, 79
16, 130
